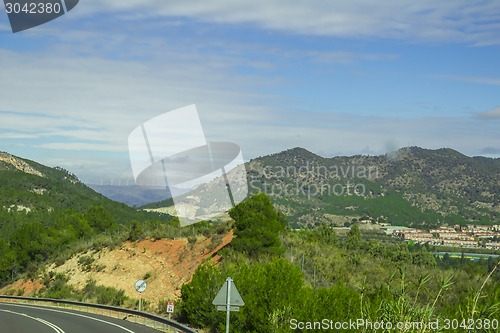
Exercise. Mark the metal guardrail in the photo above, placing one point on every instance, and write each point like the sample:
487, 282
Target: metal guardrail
149, 319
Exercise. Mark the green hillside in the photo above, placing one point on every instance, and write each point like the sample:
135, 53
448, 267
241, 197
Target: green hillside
47, 212
413, 186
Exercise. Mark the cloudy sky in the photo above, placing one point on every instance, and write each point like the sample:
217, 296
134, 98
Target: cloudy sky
334, 77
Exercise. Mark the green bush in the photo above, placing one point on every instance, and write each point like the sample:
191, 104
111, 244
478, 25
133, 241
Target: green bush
110, 296
59, 288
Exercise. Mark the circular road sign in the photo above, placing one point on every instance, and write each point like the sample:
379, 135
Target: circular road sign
140, 286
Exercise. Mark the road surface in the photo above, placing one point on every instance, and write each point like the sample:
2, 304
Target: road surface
17, 318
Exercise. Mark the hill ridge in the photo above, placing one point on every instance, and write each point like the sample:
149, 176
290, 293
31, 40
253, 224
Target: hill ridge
18, 163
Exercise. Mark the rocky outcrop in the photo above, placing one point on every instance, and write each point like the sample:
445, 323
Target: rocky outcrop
19, 164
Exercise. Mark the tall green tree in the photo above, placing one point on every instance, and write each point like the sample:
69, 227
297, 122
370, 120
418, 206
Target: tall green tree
353, 240
136, 232
258, 226
325, 234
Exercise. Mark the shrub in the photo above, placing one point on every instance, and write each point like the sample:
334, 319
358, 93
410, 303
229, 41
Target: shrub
192, 241
85, 263
110, 296
136, 232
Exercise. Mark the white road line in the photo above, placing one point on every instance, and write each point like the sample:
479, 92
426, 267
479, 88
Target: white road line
47, 323
72, 314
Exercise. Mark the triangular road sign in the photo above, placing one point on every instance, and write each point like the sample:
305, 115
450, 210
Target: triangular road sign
234, 298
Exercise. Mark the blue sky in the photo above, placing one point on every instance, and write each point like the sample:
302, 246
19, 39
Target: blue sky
337, 78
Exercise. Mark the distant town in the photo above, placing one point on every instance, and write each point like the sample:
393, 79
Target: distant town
469, 236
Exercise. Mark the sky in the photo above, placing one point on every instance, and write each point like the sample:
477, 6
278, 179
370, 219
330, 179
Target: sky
334, 77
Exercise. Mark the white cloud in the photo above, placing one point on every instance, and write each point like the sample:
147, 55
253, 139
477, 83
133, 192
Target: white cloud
491, 114
409, 20
472, 79
87, 92
90, 105
80, 146
17, 135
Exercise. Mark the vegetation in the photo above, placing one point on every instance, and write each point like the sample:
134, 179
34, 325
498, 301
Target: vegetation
257, 227
47, 214
58, 288
281, 273
320, 276
412, 187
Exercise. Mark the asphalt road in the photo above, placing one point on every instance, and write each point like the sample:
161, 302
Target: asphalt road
15, 318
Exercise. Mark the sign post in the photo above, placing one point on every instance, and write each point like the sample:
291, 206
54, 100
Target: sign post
228, 299
170, 309
140, 286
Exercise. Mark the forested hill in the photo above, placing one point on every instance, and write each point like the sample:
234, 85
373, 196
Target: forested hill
412, 186
32, 187
44, 211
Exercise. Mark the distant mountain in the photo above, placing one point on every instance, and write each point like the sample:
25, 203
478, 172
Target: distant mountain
411, 186
132, 195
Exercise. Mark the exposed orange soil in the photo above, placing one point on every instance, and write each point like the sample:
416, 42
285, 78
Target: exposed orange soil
24, 287
169, 263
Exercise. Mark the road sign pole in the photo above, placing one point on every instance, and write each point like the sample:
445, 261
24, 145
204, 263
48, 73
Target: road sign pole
140, 286
228, 303
228, 299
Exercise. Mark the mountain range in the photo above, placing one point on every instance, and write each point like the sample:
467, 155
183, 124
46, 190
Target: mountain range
412, 186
